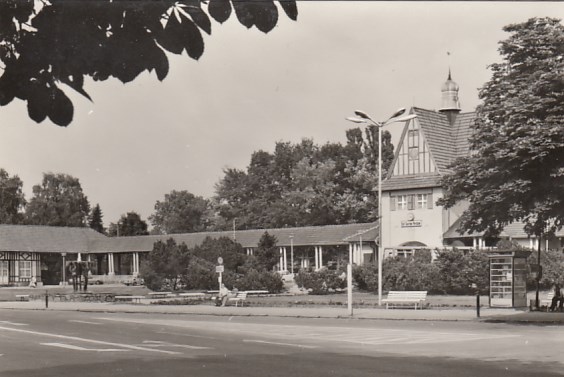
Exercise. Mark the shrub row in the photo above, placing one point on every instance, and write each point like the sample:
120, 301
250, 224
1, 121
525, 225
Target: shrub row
452, 272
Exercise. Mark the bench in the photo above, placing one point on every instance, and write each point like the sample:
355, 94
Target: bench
547, 301
22, 297
136, 299
257, 293
239, 298
402, 298
192, 295
160, 294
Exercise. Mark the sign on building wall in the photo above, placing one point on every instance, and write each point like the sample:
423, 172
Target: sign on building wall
411, 224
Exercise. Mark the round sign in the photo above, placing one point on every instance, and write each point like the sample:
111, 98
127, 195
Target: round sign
220, 260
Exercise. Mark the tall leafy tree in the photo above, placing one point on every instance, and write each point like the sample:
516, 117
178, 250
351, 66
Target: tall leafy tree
229, 250
129, 224
516, 170
58, 201
118, 39
12, 199
95, 220
180, 212
267, 254
165, 265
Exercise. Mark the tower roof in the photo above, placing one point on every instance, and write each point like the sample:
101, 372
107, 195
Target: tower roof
449, 92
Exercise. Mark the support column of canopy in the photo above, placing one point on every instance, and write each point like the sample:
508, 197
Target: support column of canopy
533, 243
135, 267
285, 259
478, 243
358, 254
250, 251
283, 264
111, 270
318, 257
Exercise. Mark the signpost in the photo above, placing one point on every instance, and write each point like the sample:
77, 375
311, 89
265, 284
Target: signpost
219, 269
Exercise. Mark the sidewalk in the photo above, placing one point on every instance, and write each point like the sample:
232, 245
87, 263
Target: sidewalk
434, 314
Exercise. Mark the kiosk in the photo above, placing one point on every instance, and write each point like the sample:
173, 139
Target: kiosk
508, 278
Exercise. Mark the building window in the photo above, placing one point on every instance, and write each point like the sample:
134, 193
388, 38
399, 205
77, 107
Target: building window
411, 202
421, 201
402, 202
25, 269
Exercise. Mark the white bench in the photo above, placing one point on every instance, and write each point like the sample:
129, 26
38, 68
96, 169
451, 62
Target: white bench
22, 297
547, 301
239, 298
257, 293
192, 295
160, 294
403, 298
136, 299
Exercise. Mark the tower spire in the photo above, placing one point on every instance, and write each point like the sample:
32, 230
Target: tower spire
450, 104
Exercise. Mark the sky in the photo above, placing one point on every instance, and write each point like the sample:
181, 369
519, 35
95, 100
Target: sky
134, 143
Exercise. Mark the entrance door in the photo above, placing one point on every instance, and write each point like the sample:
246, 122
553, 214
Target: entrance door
3, 272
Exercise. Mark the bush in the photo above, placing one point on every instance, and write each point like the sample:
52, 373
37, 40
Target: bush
260, 280
412, 273
366, 277
552, 262
164, 267
459, 271
321, 282
453, 272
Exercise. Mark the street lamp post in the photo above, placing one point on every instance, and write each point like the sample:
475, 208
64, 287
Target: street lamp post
362, 117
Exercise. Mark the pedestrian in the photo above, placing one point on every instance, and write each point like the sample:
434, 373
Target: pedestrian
223, 292
33, 282
557, 298
229, 295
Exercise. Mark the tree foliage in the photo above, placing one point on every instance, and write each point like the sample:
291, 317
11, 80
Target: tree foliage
95, 220
129, 224
230, 251
180, 212
267, 254
516, 169
46, 44
305, 184
12, 199
165, 265
58, 201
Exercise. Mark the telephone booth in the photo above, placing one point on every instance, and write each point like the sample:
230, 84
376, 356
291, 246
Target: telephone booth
508, 278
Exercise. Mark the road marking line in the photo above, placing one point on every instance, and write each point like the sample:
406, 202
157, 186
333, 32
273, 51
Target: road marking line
190, 335
277, 343
14, 323
89, 341
77, 348
87, 322
159, 343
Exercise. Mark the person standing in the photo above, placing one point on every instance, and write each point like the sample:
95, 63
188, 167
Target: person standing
557, 298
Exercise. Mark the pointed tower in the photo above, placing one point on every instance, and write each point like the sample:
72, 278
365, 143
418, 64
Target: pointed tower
450, 103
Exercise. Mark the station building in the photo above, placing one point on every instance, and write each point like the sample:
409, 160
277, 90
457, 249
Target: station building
429, 143
411, 220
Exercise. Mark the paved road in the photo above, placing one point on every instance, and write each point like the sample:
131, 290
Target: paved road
45, 343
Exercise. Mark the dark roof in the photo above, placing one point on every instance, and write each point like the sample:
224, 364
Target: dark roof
305, 236
28, 238
513, 230
405, 182
446, 142
23, 238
